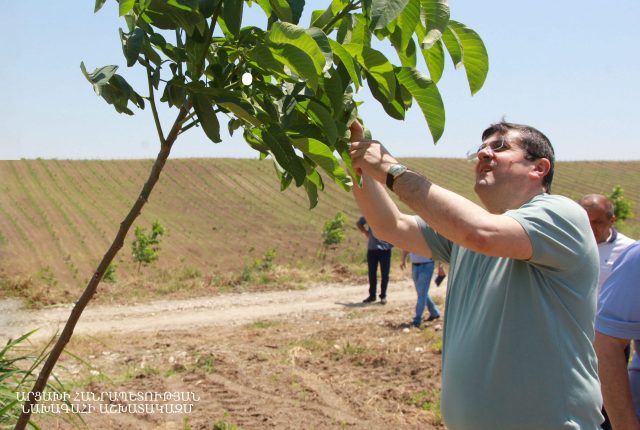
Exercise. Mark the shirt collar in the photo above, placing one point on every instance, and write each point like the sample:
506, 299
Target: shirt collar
614, 235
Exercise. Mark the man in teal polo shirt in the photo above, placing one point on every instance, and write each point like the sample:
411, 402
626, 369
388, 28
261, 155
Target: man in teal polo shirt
517, 351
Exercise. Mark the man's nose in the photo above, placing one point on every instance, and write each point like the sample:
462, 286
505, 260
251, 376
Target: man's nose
485, 153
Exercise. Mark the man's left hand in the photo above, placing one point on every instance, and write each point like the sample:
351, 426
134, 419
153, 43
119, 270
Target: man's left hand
369, 156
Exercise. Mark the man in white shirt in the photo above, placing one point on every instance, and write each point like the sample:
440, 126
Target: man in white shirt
611, 242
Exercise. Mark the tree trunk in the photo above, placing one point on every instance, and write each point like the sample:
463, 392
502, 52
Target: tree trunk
92, 286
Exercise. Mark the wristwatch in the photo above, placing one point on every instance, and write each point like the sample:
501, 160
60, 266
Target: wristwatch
395, 172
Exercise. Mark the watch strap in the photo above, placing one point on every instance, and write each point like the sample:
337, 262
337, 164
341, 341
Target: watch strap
395, 172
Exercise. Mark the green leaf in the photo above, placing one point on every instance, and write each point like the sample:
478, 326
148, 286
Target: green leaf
175, 93
360, 33
393, 107
407, 55
385, 11
322, 41
474, 55
320, 18
232, 16
262, 57
407, 22
207, 117
436, 14
99, 77
265, 5
226, 99
334, 88
312, 174
282, 9
98, 5
151, 54
433, 57
207, 7
323, 156
291, 34
312, 193
453, 46
282, 149
377, 65
125, 6
346, 60
297, 7
254, 139
241, 108
173, 14
320, 116
426, 94
299, 62
116, 91
132, 45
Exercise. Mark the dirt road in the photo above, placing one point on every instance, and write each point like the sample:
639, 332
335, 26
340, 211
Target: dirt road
227, 310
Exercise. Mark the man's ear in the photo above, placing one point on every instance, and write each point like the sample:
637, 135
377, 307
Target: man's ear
540, 169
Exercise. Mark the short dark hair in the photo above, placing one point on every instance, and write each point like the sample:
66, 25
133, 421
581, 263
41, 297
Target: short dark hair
532, 140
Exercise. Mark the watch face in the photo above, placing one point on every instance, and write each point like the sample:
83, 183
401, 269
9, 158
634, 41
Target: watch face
396, 169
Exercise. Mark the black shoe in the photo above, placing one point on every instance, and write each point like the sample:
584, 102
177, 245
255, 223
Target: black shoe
383, 301
433, 317
369, 300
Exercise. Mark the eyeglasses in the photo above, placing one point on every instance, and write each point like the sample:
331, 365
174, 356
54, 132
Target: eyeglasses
495, 146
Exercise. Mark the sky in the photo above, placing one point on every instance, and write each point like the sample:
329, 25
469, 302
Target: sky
570, 68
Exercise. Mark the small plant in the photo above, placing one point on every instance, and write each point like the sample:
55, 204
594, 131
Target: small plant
46, 275
259, 266
332, 234
428, 401
262, 324
145, 247
223, 425
621, 204
206, 363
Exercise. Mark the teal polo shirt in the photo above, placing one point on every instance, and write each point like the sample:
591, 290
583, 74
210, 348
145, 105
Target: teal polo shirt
517, 341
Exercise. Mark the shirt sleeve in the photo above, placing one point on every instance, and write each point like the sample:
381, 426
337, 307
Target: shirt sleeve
618, 312
440, 246
558, 229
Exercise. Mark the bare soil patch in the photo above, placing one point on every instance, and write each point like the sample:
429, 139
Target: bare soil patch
308, 359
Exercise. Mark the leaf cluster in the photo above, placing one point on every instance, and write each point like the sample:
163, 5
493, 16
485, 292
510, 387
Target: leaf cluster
289, 87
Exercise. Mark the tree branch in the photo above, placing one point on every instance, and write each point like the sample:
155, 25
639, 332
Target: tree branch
92, 286
340, 14
152, 102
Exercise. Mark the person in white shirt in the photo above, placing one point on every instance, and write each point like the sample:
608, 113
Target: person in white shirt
610, 241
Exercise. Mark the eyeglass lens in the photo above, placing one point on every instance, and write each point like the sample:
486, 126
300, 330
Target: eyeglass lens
495, 146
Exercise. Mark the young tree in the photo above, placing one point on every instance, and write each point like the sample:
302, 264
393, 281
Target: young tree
145, 247
332, 233
621, 204
288, 87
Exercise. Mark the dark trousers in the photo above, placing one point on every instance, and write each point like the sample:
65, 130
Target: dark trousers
375, 257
